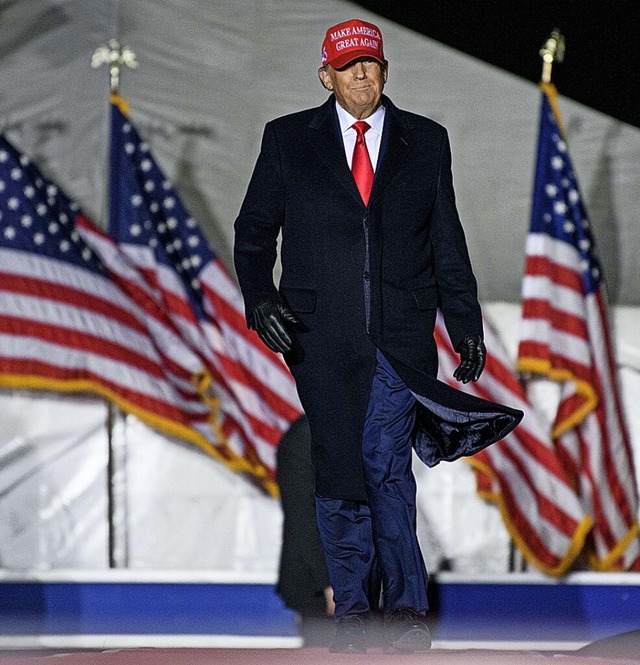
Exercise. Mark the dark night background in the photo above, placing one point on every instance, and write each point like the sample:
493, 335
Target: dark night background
601, 67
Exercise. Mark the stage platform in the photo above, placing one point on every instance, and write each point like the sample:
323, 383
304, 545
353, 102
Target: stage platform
142, 613
307, 657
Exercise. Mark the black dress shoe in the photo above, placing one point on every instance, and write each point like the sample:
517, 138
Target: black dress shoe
406, 631
350, 635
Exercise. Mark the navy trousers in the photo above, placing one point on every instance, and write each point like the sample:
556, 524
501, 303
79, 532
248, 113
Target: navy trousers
362, 540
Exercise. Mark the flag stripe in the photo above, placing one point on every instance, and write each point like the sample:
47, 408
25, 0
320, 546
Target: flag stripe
26, 286
77, 369
563, 321
74, 339
76, 360
560, 275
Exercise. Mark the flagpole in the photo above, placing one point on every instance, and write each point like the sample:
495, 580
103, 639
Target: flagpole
552, 51
118, 545
116, 56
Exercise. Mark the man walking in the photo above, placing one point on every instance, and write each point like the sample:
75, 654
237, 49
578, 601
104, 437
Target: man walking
372, 245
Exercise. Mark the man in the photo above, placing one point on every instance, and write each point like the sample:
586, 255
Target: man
371, 246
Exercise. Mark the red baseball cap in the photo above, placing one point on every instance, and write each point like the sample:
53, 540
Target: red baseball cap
349, 40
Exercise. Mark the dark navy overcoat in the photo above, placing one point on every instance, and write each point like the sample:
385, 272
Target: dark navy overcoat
362, 278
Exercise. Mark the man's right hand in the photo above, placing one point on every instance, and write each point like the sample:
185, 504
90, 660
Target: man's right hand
269, 319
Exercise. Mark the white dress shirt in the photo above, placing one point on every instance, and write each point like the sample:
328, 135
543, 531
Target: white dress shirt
373, 136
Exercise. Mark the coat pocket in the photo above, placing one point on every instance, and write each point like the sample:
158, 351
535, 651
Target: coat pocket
426, 297
299, 300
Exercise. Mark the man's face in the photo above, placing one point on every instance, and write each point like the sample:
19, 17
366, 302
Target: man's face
357, 87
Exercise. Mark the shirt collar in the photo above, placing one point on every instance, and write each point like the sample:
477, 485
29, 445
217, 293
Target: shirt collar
375, 120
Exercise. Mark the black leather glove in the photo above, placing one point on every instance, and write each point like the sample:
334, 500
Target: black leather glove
473, 355
269, 319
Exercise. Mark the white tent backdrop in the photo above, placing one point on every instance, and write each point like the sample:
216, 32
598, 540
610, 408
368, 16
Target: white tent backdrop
175, 507
210, 75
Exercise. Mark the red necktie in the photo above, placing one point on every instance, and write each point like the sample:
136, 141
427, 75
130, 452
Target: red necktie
361, 164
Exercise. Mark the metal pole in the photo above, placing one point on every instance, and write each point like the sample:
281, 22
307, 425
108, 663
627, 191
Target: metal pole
110, 493
117, 500
552, 51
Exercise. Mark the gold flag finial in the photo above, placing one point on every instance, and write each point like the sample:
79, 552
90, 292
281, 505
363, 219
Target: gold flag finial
115, 56
552, 51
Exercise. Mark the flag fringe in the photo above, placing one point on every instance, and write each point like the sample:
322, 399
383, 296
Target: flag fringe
578, 538
221, 453
121, 103
543, 367
608, 563
202, 382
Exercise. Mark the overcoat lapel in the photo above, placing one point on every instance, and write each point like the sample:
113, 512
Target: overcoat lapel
394, 149
327, 143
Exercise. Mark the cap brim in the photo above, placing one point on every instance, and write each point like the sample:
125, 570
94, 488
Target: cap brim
344, 59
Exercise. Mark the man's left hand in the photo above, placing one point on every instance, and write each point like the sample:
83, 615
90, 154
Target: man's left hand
473, 355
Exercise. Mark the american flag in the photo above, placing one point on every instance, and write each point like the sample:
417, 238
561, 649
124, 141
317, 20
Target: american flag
252, 386
565, 336
521, 473
66, 325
